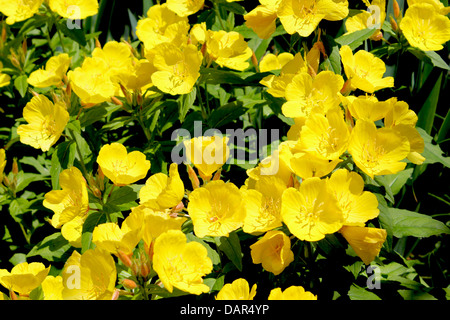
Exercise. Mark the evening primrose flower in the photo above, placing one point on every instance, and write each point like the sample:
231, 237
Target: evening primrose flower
425, 28
120, 167
239, 289
228, 49
176, 68
207, 153
364, 70
263, 205
19, 10
162, 191
357, 205
216, 209
312, 211
275, 62
24, 277
291, 293
162, 25
53, 73
262, 19
74, 9
185, 8
119, 240
303, 16
365, 241
52, 288
368, 107
324, 136
306, 165
437, 4
2, 163
306, 95
273, 251
179, 264
46, 122
72, 201
72, 231
117, 56
377, 151
366, 19
89, 276
92, 82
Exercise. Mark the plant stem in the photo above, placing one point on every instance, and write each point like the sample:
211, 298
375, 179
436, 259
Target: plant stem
83, 167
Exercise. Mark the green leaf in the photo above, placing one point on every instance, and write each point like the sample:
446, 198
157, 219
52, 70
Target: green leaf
52, 248
231, 246
73, 33
355, 39
226, 114
432, 152
398, 180
358, 293
62, 158
185, 103
215, 76
408, 223
89, 225
122, 195
21, 84
415, 295
385, 220
430, 57
427, 112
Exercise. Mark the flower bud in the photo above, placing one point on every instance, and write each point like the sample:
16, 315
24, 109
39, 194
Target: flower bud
116, 101
193, 177
115, 295
129, 284
15, 167
394, 24
254, 60
396, 9
126, 259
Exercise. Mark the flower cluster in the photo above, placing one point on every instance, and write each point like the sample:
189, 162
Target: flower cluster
136, 232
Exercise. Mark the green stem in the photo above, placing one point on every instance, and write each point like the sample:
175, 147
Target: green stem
61, 39
83, 167
204, 113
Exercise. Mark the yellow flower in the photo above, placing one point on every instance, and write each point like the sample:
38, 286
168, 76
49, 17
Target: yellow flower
197, 34
117, 56
185, 8
438, 5
46, 122
216, 209
24, 277
263, 205
273, 251
2, 163
228, 49
324, 136
305, 94
119, 240
5, 79
19, 10
400, 114
120, 167
207, 153
162, 191
306, 165
180, 264
90, 276
277, 164
262, 19
239, 289
52, 288
277, 84
53, 73
303, 16
357, 205
312, 211
72, 201
157, 222
74, 9
366, 19
368, 107
364, 70
377, 151
72, 231
176, 68
91, 82
138, 75
425, 28
366, 242
275, 62
162, 25
291, 293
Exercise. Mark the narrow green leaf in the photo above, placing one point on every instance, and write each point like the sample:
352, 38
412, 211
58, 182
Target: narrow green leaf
52, 248
89, 225
122, 195
358, 293
73, 33
226, 114
355, 39
212, 254
432, 152
62, 158
409, 223
427, 112
185, 103
231, 246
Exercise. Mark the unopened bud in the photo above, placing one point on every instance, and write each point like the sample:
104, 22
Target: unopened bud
115, 295
129, 284
13, 295
15, 167
145, 270
193, 177
125, 258
347, 87
394, 24
3, 33
203, 49
15, 62
217, 175
116, 101
139, 99
396, 9
178, 207
24, 47
97, 43
254, 60
97, 192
